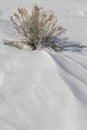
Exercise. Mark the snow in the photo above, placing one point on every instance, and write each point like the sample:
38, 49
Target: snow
44, 89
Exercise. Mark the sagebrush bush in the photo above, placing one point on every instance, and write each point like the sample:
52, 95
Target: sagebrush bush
35, 29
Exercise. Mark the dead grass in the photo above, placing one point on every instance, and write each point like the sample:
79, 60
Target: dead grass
35, 29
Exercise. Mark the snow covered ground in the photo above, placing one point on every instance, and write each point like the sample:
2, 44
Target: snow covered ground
44, 89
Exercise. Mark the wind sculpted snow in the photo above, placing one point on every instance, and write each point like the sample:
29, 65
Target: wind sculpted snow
43, 89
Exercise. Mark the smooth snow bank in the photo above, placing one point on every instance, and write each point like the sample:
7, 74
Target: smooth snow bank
43, 89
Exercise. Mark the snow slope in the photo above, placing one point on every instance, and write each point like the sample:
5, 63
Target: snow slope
44, 89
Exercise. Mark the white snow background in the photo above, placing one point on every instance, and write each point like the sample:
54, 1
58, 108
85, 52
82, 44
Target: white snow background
44, 89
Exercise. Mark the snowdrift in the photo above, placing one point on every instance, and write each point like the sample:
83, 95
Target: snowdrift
43, 89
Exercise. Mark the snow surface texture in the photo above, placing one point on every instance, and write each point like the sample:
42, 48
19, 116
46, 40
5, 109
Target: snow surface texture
45, 90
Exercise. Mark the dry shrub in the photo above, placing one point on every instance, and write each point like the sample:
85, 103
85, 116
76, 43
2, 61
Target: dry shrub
35, 29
